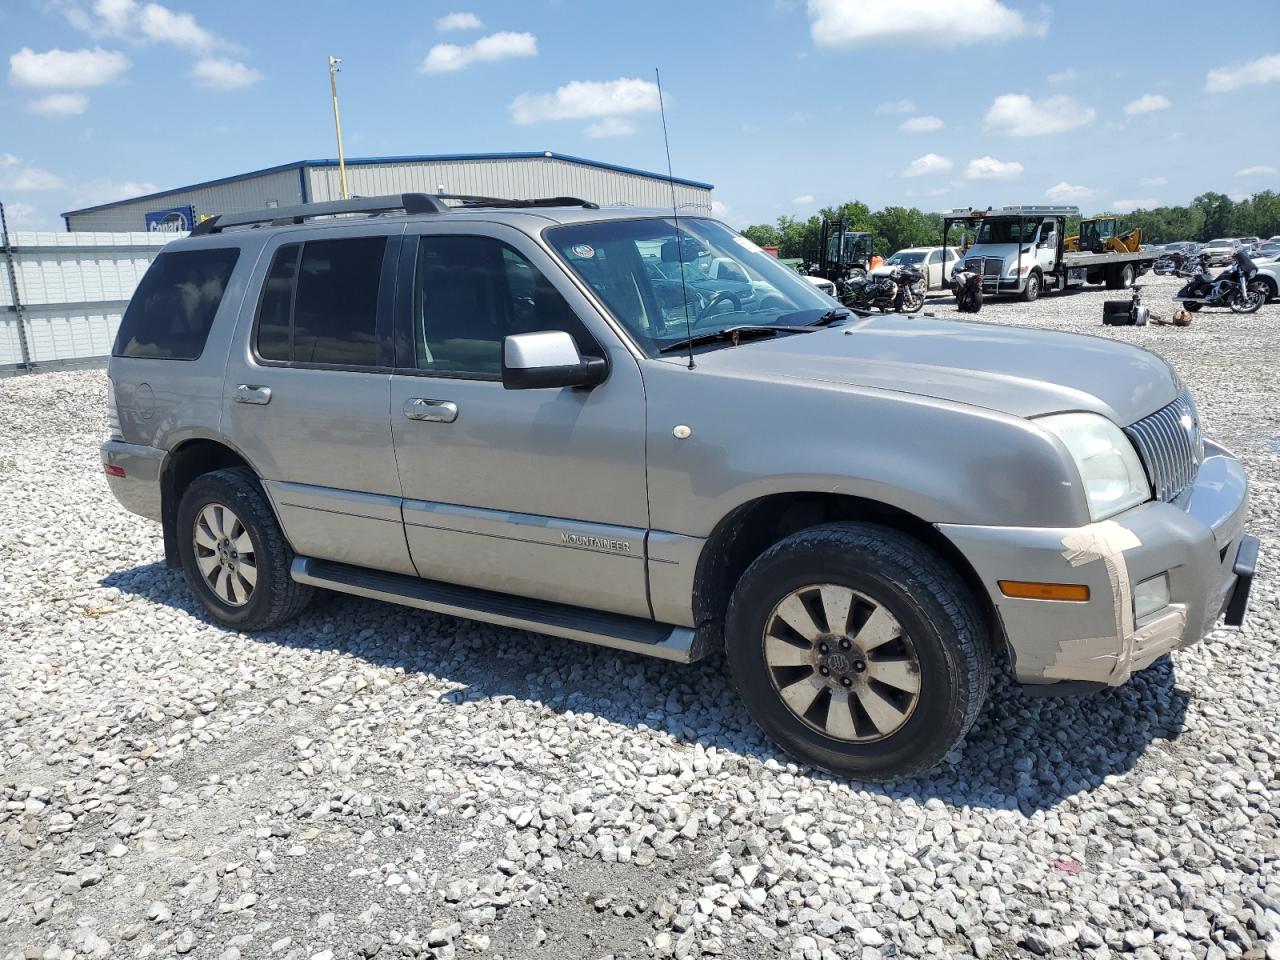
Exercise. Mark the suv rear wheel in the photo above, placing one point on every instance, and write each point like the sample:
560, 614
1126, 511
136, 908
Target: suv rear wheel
233, 553
858, 650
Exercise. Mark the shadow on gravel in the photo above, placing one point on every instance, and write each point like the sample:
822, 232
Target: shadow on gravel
1024, 754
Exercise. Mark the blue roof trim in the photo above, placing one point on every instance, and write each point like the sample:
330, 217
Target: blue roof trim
424, 158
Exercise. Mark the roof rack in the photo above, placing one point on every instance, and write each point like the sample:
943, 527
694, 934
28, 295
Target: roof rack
410, 203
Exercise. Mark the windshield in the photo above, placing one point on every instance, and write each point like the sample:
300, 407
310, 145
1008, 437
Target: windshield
906, 258
635, 268
1221, 243
1007, 231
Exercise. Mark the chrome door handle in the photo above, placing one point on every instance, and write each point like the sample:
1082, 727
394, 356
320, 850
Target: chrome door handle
437, 411
249, 394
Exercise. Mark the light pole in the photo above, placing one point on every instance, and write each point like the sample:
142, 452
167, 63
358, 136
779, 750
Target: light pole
337, 122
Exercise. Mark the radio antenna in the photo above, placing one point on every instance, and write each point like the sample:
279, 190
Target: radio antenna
675, 216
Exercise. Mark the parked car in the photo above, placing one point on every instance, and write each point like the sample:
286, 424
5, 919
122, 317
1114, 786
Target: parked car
1269, 274
1265, 252
1220, 251
928, 260
491, 411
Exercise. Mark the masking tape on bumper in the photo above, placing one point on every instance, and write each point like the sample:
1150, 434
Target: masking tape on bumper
1105, 658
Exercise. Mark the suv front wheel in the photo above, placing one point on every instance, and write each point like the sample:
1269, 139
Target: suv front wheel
858, 650
234, 554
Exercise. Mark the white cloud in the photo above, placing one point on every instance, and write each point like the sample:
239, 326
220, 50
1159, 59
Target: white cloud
66, 69
929, 163
1064, 192
218, 73
93, 192
896, 106
1062, 76
803, 200
23, 216
1263, 170
1017, 115
159, 23
15, 174
1154, 181
921, 124
1147, 103
1225, 79
458, 21
611, 127
448, 57
60, 104
1128, 206
989, 168
583, 99
940, 23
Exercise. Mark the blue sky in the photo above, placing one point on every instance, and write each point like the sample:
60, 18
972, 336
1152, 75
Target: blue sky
784, 106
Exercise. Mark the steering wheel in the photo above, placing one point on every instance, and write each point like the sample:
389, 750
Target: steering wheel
717, 299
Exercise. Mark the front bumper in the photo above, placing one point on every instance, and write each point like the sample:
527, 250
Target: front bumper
138, 490
1197, 541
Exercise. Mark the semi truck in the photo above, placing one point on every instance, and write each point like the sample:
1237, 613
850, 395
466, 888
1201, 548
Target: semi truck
1021, 251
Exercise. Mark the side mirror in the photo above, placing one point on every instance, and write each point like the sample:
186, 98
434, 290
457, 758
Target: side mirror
532, 361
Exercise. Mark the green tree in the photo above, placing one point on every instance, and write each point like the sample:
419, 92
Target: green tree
762, 234
1216, 209
896, 228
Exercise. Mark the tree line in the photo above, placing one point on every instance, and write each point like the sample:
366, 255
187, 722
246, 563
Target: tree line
1207, 217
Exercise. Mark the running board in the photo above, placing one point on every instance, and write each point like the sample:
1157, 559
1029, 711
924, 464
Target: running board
616, 630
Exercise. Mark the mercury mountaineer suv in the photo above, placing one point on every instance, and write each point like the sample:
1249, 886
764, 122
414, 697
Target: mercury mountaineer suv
515, 411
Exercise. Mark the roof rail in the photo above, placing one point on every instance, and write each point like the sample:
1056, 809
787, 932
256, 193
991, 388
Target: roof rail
468, 200
279, 216
413, 203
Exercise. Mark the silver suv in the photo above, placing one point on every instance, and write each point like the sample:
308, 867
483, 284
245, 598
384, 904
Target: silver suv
550, 416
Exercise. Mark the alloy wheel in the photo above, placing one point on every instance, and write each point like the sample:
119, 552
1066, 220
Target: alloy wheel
842, 663
225, 554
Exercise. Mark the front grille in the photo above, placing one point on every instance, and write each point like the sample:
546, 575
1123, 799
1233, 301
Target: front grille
986, 266
1171, 446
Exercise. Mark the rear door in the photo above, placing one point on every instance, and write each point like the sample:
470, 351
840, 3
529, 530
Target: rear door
537, 493
307, 392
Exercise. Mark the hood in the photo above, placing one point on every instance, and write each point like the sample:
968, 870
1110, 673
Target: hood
1025, 373
1005, 251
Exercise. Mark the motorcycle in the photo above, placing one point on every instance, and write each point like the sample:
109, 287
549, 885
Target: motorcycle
901, 289
1235, 287
968, 289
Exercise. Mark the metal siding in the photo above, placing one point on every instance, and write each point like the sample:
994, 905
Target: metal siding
73, 288
515, 178
251, 193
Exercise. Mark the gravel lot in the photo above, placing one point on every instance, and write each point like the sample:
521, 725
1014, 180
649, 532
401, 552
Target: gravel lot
378, 781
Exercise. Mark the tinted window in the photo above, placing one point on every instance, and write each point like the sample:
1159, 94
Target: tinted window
469, 294
335, 310
277, 304
172, 310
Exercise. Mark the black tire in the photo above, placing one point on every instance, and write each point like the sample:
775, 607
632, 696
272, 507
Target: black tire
1031, 291
933, 607
1191, 307
1257, 295
276, 597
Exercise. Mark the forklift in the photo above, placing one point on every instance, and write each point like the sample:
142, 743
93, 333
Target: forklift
842, 253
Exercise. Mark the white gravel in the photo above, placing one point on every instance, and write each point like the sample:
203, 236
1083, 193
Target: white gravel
377, 781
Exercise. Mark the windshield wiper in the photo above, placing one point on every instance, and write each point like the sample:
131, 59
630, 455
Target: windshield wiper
740, 332
831, 316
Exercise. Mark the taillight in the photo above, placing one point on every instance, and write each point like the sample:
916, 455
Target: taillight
113, 415
111, 470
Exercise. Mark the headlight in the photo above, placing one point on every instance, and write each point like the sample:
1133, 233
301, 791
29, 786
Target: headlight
1109, 467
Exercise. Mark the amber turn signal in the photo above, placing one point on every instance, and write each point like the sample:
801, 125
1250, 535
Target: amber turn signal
1033, 590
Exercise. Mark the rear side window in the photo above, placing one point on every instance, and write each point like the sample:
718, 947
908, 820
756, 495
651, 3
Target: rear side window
172, 310
320, 303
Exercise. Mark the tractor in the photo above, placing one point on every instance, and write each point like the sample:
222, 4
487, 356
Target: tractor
1098, 235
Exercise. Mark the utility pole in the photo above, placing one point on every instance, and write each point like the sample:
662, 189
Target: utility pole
337, 122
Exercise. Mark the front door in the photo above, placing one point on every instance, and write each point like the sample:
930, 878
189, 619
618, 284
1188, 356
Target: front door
307, 393
537, 493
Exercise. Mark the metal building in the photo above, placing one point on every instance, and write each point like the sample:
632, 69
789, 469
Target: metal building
515, 175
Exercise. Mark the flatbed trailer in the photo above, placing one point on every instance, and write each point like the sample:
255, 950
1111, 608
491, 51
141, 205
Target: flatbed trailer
1019, 251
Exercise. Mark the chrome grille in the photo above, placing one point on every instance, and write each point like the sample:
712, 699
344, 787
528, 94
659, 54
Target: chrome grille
1171, 446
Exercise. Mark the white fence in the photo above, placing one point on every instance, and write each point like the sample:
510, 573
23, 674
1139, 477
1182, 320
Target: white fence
62, 294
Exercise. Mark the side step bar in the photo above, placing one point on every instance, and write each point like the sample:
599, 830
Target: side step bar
616, 630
